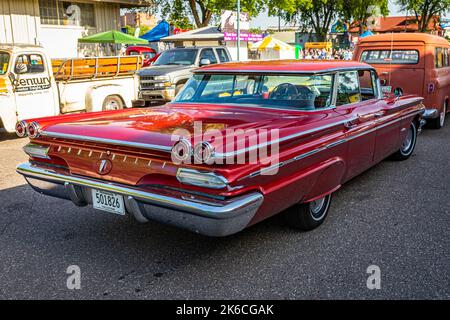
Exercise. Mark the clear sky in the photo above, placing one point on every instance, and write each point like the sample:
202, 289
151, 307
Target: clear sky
263, 20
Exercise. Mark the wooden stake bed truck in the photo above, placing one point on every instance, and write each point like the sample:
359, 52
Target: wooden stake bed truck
32, 85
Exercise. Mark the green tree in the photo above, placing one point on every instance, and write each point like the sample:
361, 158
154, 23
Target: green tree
178, 15
316, 15
425, 10
203, 11
360, 11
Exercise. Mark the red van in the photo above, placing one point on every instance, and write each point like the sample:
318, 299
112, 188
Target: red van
416, 63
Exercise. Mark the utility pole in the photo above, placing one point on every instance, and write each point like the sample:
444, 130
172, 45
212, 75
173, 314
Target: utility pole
238, 29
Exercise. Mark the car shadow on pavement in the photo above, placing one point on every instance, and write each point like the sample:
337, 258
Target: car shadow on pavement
4, 136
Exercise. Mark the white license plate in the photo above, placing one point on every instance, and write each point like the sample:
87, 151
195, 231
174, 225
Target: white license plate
108, 201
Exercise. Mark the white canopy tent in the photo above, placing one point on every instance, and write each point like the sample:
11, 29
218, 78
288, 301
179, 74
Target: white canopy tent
271, 48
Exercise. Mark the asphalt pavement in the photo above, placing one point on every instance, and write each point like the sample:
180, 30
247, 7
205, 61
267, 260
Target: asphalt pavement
395, 216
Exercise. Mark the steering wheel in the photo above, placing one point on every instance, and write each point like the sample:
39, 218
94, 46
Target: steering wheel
284, 91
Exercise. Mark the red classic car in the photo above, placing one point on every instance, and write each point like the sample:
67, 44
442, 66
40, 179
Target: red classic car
240, 143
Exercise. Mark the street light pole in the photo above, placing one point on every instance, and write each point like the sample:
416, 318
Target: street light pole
238, 28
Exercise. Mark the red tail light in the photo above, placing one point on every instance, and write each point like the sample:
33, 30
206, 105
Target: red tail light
33, 129
21, 129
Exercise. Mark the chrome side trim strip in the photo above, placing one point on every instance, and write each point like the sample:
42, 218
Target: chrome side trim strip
292, 136
77, 137
328, 146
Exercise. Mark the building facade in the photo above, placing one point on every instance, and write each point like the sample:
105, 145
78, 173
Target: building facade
57, 25
138, 19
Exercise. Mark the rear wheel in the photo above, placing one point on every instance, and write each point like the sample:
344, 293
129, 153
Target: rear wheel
408, 145
112, 103
439, 121
308, 216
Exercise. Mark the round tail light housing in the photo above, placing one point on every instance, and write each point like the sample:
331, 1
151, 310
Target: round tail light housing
204, 152
33, 129
21, 129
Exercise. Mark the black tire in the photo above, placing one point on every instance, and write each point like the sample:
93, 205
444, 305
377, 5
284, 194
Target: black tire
408, 145
439, 122
308, 216
112, 102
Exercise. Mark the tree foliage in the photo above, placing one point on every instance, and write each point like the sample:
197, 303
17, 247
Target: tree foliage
425, 10
316, 15
202, 12
360, 11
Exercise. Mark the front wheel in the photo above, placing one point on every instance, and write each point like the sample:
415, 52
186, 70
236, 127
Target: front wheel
408, 145
112, 103
439, 121
308, 216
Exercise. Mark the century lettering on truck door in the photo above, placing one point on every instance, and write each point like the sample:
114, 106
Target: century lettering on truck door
32, 85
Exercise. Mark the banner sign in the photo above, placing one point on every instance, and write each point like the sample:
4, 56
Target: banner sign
250, 37
228, 21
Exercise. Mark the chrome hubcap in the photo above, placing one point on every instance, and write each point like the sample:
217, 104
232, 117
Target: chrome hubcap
112, 105
442, 117
317, 208
407, 143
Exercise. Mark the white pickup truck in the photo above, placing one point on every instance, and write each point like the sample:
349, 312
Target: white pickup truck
32, 85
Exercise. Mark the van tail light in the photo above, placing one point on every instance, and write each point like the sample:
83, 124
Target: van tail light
430, 87
21, 129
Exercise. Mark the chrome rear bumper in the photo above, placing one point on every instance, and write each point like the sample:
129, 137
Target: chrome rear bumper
208, 216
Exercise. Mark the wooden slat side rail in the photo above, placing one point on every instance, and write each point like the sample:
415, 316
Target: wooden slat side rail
95, 67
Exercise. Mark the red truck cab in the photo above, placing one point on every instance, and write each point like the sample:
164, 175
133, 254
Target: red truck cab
149, 54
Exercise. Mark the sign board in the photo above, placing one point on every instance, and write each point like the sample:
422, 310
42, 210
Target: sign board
228, 21
318, 45
250, 37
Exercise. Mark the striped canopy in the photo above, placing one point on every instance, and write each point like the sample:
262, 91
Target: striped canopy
271, 43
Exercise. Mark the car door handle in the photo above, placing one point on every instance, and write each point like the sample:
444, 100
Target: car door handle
351, 124
379, 114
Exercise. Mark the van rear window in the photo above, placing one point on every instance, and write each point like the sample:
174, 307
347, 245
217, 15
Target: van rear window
390, 56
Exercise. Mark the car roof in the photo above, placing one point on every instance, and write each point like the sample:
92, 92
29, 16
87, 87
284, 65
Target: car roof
284, 66
141, 48
405, 37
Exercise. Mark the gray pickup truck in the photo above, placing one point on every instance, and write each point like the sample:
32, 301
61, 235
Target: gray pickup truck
161, 81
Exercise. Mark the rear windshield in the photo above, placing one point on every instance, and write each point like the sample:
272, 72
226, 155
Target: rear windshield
390, 56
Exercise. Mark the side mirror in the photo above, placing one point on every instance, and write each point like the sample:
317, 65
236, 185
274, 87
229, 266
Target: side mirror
21, 68
205, 62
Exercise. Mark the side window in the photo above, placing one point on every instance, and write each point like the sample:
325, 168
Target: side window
208, 54
446, 61
348, 88
29, 63
438, 58
368, 85
223, 56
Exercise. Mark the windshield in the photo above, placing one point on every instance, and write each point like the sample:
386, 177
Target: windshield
177, 57
4, 62
390, 56
302, 92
